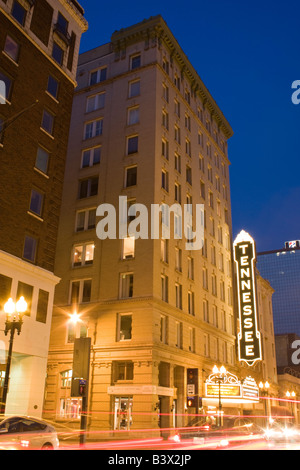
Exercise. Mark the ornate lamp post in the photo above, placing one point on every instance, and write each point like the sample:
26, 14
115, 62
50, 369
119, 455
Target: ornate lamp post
291, 397
14, 321
220, 375
264, 390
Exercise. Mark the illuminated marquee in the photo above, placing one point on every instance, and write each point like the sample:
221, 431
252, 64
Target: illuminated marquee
249, 340
232, 388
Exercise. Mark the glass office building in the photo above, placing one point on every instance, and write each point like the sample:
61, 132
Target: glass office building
282, 269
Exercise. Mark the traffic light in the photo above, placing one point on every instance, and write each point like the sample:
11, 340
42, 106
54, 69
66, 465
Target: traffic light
191, 402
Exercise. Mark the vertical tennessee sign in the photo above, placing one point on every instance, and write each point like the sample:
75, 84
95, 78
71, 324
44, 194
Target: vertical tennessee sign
249, 340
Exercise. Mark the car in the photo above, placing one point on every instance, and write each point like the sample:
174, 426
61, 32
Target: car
27, 433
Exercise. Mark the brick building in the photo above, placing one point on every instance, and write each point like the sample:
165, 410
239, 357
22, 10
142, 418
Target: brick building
39, 45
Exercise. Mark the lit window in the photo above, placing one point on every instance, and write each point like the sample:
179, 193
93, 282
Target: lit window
125, 327
83, 254
128, 247
126, 287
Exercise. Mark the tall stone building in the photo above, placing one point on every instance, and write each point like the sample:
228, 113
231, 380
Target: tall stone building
144, 127
39, 42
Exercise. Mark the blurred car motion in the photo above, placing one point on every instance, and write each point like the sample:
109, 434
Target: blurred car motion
201, 429
22, 432
281, 432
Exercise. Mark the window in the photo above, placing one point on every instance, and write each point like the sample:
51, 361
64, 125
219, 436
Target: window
36, 202
26, 291
177, 162
192, 335
48, 122
132, 144
165, 119
74, 331
42, 160
52, 87
70, 408
178, 295
205, 311
62, 23
58, 53
165, 180
178, 193
123, 371
191, 268
91, 157
189, 175
202, 189
128, 248
164, 288
178, 259
12, 48
7, 91
179, 334
30, 247
85, 220
124, 327
166, 93
88, 187
163, 329
164, 247
188, 148
133, 116
83, 255
205, 278
135, 62
95, 102
214, 284
80, 291
98, 76
131, 177
93, 129
191, 303
66, 378
134, 88
177, 134
42, 308
126, 287
165, 149
19, 13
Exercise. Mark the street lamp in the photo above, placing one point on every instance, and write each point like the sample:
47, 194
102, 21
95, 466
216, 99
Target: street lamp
264, 390
291, 397
220, 375
14, 321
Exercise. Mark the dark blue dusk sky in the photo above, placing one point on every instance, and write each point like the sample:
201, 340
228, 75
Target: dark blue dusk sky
248, 55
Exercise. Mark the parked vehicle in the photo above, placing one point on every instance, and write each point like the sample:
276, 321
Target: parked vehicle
22, 432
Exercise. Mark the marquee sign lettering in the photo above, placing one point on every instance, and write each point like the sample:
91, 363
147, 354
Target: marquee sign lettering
249, 339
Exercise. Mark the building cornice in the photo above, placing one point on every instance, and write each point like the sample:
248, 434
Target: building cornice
156, 29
